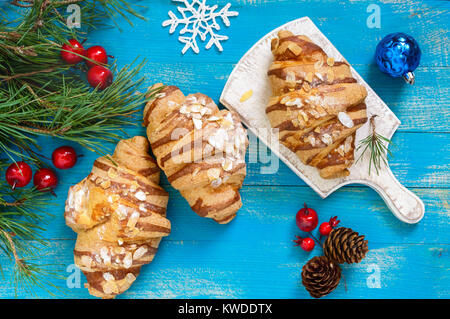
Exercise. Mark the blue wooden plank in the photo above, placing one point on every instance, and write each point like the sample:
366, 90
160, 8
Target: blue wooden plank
343, 22
253, 257
360, 208
266, 267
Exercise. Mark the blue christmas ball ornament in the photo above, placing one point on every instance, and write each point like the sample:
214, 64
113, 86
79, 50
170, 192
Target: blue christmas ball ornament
398, 54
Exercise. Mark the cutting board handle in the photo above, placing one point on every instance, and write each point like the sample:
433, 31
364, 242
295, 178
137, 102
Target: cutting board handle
403, 203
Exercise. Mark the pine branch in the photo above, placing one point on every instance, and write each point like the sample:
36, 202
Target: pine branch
378, 147
42, 96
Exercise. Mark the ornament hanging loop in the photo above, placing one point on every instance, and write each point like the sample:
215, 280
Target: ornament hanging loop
409, 78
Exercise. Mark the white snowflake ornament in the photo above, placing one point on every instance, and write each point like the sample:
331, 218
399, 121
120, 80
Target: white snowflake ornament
199, 19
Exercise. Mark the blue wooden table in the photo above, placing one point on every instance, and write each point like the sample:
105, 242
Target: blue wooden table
254, 256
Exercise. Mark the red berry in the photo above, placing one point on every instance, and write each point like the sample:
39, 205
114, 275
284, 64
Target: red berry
306, 219
18, 174
99, 76
307, 244
64, 157
45, 178
96, 53
72, 46
325, 229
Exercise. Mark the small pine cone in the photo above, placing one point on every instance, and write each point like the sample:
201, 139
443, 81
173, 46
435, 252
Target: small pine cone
320, 276
343, 245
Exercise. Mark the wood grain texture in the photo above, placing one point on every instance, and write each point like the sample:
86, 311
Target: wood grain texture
253, 257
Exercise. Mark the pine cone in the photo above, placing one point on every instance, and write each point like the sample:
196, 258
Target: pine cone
344, 245
320, 276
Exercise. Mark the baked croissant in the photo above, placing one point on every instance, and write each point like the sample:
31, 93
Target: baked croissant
119, 213
200, 148
316, 104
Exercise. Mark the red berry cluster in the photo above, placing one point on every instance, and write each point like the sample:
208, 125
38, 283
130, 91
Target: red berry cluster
19, 174
98, 76
307, 221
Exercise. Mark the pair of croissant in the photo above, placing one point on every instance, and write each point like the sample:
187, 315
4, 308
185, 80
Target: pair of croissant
119, 210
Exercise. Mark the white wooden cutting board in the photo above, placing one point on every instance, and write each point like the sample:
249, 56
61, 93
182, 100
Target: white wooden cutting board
251, 74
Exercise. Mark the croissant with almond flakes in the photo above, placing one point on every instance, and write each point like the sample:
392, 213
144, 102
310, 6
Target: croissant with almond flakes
200, 148
119, 213
316, 104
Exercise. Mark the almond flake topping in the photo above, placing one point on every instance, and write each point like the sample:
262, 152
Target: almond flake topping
296, 102
295, 49
345, 119
139, 252
340, 150
86, 261
196, 108
326, 138
290, 76
306, 87
227, 165
140, 195
108, 277
105, 255
197, 123
314, 113
330, 61
122, 212
348, 144
318, 64
195, 172
216, 183
128, 260
130, 278
112, 173
213, 118
105, 184
183, 110
330, 76
132, 221
213, 173
305, 117
246, 96
192, 99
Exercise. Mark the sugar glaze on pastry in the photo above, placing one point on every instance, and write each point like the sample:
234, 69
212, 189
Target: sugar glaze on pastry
200, 148
119, 213
316, 104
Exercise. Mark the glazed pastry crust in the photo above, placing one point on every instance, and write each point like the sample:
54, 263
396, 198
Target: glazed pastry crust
316, 104
200, 148
119, 213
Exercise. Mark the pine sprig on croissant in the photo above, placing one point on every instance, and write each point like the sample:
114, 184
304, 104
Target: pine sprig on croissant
119, 213
200, 148
316, 104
